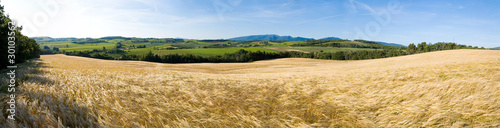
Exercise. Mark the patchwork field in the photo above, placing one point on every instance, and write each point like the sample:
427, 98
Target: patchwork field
200, 52
458, 88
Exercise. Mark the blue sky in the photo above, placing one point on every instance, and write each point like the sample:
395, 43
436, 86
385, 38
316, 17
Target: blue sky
471, 22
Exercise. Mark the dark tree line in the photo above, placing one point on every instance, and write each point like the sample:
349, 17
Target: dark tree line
139, 41
92, 54
25, 47
424, 47
216, 46
89, 40
141, 46
171, 40
239, 56
47, 50
249, 56
101, 54
349, 55
182, 46
221, 40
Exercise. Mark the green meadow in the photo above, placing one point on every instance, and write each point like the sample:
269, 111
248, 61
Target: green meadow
205, 48
201, 51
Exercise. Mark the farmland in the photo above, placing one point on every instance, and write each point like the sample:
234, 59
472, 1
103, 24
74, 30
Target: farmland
200, 52
205, 48
434, 89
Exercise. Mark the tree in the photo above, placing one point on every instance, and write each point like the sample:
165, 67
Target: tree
119, 45
411, 48
421, 47
149, 57
339, 56
426, 48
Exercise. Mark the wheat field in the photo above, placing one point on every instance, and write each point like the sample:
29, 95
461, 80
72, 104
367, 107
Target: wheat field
454, 88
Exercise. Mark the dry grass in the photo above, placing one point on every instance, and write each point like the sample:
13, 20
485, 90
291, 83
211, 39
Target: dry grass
456, 88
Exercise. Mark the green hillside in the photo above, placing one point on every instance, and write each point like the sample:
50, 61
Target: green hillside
116, 47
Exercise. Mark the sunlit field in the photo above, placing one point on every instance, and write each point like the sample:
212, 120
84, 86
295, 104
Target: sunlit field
459, 88
201, 52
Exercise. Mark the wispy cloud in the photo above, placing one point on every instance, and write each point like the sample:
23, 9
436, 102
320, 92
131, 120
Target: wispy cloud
274, 13
364, 6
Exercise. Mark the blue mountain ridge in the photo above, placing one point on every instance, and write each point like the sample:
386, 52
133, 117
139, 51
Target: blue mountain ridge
270, 37
274, 37
390, 44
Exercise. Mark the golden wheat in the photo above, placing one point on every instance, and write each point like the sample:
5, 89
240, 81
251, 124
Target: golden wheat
458, 88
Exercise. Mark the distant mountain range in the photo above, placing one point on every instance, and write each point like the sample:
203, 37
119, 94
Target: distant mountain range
390, 44
270, 37
273, 37
496, 48
331, 38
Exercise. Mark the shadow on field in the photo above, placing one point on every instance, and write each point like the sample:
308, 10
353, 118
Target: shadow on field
22, 72
37, 107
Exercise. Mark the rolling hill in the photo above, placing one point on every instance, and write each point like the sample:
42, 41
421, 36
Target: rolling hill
50, 39
434, 89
